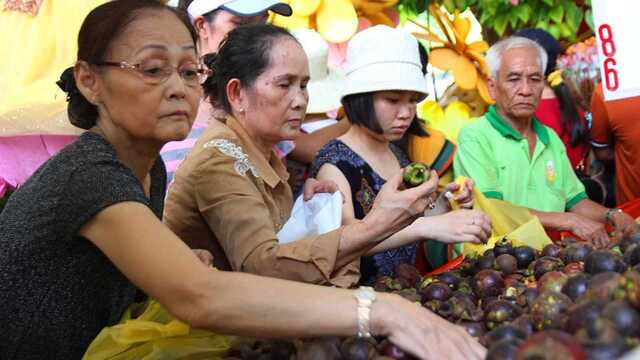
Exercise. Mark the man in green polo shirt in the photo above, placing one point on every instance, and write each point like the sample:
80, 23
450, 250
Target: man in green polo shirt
512, 156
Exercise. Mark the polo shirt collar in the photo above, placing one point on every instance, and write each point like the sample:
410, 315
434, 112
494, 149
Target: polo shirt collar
271, 170
507, 131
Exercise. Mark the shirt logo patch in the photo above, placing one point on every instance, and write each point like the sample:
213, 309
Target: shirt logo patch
550, 171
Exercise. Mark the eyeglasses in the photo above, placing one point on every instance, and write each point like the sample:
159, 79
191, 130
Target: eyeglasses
154, 74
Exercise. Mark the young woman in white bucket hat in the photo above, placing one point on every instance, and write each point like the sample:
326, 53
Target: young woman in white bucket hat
384, 83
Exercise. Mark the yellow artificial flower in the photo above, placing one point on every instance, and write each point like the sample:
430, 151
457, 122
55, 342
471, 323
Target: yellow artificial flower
335, 20
466, 61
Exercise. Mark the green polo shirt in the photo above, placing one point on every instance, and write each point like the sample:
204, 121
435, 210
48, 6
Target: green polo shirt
496, 157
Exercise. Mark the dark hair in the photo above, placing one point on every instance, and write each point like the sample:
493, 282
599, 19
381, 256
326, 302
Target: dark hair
571, 121
360, 111
244, 54
99, 29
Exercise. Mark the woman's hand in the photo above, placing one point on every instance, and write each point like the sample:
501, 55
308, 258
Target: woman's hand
465, 197
393, 209
457, 226
313, 186
420, 332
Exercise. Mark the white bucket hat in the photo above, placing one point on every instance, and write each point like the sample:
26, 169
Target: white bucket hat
238, 7
326, 84
383, 58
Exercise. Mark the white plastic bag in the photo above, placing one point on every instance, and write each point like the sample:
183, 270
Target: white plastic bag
321, 214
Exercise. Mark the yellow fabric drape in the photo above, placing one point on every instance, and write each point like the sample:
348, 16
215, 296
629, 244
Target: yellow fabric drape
34, 52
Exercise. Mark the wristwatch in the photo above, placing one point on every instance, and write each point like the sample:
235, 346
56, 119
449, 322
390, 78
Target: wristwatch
610, 214
365, 295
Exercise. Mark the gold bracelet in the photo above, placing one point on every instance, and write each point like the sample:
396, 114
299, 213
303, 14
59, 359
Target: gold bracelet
365, 295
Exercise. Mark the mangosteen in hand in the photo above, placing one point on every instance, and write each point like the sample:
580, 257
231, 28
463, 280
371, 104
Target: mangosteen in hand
415, 174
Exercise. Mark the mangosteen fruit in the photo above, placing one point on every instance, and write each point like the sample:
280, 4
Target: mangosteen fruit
474, 328
462, 307
503, 350
449, 278
552, 250
524, 255
393, 351
603, 285
502, 246
545, 264
625, 318
600, 261
629, 240
356, 349
407, 275
629, 287
575, 252
507, 263
436, 291
485, 262
575, 286
551, 345
488, 283
601, 340
386, 284
632, 255
528, 297
513, 280
321, 348
549, 310
501, 333
524, 323
500, 311
552, 281
582, 313
574, 267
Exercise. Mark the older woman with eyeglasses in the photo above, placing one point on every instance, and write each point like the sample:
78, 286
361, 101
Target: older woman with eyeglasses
83, 234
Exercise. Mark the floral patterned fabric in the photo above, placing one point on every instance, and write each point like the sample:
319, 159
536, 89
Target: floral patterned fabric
365, 184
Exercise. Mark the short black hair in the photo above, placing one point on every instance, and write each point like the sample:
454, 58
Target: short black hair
360, 111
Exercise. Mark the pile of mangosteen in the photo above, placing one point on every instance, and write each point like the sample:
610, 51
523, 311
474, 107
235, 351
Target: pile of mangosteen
567, 301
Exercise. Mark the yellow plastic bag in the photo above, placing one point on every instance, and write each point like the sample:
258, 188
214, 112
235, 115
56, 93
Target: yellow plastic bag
513, 221
155, 334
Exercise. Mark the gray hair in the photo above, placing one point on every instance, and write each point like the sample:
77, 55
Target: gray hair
494, 54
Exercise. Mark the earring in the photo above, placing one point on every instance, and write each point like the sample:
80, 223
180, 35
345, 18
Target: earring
242, 110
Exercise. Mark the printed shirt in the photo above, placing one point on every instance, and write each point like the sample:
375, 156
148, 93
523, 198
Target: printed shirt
497, 158
227, 197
